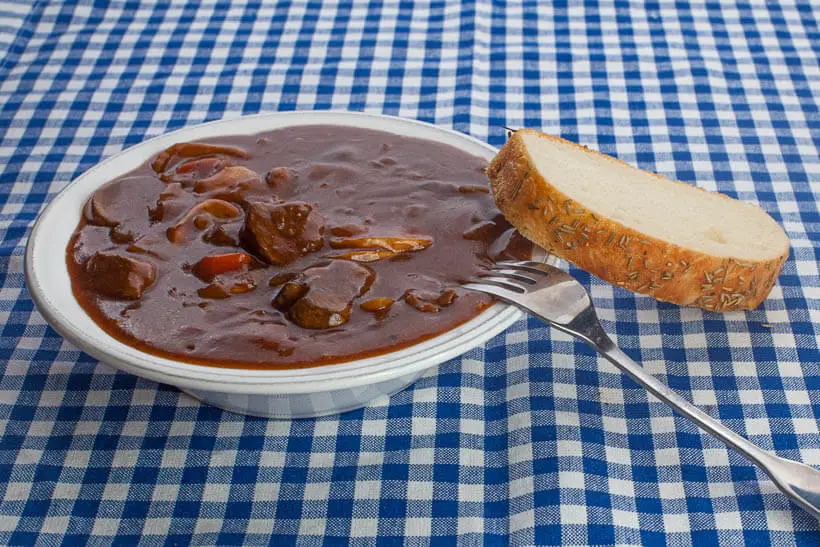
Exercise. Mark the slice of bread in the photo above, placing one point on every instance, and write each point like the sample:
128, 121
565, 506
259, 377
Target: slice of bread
636, 229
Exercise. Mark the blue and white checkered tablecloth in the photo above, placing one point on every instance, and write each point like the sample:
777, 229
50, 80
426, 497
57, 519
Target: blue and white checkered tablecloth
531, 439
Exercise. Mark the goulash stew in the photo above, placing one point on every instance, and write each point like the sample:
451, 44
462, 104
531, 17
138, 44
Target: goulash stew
298, 247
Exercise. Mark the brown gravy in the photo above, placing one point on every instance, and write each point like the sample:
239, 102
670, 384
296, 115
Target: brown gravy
298, 247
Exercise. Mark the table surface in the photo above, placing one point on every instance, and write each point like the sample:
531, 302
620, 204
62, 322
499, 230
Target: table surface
530, 439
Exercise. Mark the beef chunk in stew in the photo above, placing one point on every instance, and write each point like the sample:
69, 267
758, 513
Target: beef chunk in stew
119, 276
289, 293
278, 176
429, 302
282, 232
116, 206
322, 296
102, 210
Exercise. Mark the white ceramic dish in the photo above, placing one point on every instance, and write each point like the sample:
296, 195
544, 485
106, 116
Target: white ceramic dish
286, 394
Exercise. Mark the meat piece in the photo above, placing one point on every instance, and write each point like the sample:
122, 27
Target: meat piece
200, 216
322, 297
88, 241
429, 302
121, 234
321, 311
330, 296
278, 177
289, 294
100, 210
446, 297
282, 232
115, 206
422, 302
172, 155
119, 276
227, 178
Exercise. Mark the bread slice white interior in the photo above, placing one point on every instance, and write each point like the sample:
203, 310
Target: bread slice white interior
637, 229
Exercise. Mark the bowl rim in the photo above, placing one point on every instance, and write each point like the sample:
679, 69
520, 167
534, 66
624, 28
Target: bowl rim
358, 372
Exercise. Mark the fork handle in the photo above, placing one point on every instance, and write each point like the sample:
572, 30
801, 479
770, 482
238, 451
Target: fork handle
799, 481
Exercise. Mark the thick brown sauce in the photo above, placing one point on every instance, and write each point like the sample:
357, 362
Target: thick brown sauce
380, 183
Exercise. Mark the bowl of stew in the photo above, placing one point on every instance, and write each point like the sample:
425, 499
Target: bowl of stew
285, 265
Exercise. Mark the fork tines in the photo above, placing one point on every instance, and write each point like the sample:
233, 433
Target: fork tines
528, 265
512, 275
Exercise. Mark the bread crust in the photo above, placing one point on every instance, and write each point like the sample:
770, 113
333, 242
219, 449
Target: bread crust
618, 254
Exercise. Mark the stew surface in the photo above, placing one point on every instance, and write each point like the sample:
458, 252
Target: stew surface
298, 247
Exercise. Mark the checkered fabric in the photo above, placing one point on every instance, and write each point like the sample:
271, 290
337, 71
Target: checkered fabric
531, 439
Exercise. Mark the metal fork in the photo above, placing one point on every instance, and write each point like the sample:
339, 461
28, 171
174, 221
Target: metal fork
560, 300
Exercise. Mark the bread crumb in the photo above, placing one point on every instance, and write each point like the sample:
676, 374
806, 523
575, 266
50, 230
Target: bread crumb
767, 325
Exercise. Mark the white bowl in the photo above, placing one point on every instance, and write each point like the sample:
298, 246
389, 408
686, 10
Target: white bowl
285, 394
